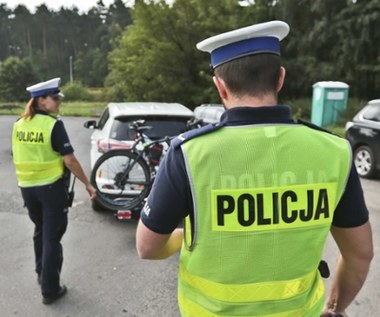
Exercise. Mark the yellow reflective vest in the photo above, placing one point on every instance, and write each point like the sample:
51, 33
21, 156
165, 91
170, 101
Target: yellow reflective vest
35, 160
264, 199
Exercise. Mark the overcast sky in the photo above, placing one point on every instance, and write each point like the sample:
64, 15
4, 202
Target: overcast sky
82, 5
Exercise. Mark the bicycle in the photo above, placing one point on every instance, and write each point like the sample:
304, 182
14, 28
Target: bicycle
123, 178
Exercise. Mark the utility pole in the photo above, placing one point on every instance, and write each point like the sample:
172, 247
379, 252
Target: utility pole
71, 69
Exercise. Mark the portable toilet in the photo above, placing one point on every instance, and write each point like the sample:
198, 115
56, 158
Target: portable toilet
329, 102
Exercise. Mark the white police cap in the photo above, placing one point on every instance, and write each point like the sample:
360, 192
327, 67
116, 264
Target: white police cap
255, 39
50, 87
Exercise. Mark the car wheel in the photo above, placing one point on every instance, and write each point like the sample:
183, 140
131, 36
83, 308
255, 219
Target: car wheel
365, 162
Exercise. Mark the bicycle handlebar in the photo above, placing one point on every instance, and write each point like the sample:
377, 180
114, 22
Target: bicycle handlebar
194, 123
138, 126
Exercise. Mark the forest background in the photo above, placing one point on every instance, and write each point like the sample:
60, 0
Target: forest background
146, 52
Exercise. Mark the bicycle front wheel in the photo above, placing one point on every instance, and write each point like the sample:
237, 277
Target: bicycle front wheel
122, 180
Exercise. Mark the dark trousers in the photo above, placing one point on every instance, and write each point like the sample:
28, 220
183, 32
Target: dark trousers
47, 207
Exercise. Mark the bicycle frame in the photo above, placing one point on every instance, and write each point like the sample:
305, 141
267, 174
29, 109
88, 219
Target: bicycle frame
141, 139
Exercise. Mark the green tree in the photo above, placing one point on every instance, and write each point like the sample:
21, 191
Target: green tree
331, 40
21, 26
156, 58
48, 38
148, 51
15, 75
4, 31
91, 67
357, 26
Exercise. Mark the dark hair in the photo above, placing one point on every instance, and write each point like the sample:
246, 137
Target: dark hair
253, 75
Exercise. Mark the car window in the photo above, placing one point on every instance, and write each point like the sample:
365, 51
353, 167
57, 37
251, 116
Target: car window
161, 127
103, 119
372, 113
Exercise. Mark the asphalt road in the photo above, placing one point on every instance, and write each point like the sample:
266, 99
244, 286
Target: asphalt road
101, 269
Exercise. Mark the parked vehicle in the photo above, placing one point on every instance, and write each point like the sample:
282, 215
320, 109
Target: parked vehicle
363, 133
123, 177
112, 130
209, 113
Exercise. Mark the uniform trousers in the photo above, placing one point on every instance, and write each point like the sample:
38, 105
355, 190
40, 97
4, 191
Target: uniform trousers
47, 208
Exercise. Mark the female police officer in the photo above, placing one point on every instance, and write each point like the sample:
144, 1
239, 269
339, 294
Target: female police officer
42, 155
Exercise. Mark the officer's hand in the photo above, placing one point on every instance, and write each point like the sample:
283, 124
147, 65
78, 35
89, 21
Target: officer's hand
91, 191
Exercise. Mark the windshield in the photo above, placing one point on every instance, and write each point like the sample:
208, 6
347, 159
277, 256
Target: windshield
161, 127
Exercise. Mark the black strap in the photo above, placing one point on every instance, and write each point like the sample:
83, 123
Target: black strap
70, 194
72, 186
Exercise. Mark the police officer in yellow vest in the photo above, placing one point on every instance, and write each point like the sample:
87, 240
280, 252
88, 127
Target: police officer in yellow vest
259, 194
42, 155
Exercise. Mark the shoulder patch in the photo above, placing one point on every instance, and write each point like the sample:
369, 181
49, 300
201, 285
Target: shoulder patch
191, 134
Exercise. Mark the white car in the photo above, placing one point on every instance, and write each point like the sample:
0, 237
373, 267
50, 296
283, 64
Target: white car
209, 113
112, 130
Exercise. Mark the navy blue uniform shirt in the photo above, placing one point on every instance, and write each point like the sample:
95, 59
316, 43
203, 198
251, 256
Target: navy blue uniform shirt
59, 139
170, 199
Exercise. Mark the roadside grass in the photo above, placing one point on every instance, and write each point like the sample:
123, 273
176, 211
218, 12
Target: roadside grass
82, 109
74, 109
11, 108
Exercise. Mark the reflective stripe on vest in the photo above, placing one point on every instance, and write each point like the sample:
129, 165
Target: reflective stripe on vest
250, 292
35, 161
309, 309
264, 199
44, 170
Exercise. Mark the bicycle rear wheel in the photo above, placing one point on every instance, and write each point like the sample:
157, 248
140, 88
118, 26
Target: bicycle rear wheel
122, 180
